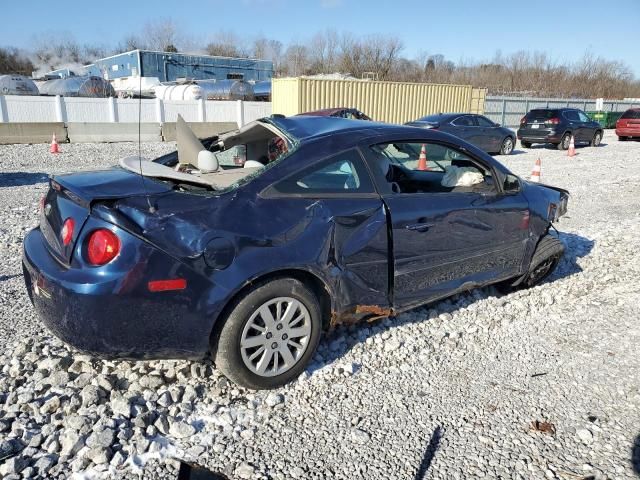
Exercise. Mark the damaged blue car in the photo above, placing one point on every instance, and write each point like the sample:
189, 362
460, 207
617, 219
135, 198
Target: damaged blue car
326, 221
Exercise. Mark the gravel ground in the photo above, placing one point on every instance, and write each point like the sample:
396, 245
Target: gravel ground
542, 383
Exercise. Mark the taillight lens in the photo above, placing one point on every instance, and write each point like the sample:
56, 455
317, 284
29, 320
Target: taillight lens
67, 231
553, 121
523, 120
43, 200
102, 247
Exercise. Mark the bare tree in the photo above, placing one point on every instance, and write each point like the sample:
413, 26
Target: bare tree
160, 35
297, 60
518, 73
14, 61
324, 51
227, 44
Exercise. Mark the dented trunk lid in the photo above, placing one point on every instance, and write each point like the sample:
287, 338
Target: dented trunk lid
70, 197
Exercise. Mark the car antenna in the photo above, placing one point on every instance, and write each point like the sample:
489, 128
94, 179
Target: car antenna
152, 209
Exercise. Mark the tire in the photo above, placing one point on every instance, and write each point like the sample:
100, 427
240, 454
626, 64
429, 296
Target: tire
525, 144
507, 146
544, 261
564, 143
548, 248
597, 138
237, 363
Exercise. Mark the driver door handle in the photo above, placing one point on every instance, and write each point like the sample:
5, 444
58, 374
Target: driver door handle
419, 227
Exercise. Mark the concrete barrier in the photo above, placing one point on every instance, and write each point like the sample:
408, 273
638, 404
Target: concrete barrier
113, 132
32, 132
201, 129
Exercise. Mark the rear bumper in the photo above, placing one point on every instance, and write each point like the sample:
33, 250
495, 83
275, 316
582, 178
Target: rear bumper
112, 316
540, 138
628, 132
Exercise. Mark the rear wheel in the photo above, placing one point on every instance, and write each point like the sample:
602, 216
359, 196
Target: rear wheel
270, 334
525, 144
597, 138
507, 146
564, 143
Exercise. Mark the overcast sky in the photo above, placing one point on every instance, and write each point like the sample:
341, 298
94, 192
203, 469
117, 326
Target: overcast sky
459, 29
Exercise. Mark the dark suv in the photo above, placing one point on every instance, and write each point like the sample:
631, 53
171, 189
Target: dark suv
556, 125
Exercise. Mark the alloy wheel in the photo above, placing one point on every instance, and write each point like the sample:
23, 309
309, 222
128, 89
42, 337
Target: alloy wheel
276, 336
507, 146
596, 139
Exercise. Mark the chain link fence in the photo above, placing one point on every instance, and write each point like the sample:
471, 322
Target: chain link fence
508, 111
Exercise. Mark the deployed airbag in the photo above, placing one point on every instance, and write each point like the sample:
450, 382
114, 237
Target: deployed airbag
461, 177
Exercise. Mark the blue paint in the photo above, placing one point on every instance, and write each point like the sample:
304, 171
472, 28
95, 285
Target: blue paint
357, 246
168, 67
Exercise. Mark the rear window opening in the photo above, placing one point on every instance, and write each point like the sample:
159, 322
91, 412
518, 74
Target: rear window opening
221, 163
542, 114
631, 114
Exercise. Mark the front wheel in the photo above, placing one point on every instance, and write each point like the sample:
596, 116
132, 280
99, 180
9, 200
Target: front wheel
544, 261
597, 138
525, 144
507, 146
269, 335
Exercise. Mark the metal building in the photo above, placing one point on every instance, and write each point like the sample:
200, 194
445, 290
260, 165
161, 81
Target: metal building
168, 67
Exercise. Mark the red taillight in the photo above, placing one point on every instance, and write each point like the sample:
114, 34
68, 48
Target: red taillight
43, 199
103, 246
523, 120
67, 231
553, 121
165, 285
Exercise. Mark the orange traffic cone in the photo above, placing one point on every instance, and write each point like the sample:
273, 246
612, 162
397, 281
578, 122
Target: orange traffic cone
535, 173
422, 161
572, 148
54, 145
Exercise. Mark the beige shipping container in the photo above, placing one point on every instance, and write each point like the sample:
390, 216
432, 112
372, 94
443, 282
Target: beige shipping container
392, 102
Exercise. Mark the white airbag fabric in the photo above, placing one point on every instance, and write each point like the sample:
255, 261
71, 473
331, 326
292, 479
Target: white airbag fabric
461, 177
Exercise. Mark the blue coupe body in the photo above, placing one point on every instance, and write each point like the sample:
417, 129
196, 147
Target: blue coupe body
342, 211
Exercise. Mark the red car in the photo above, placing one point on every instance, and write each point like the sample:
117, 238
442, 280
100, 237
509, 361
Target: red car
341, 112
628, 126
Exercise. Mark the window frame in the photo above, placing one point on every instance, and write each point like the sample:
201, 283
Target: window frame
367, 188
482, 117
586, 120
566, 113
384, 186
473, 122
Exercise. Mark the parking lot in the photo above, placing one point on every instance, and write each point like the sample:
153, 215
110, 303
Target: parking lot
540, 383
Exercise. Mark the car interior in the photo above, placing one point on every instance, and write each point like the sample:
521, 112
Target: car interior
215, 163
445, 169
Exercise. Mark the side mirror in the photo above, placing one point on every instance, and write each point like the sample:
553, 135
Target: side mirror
511, 184
497, 125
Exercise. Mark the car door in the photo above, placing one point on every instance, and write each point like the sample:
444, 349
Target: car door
464, 127
574, 124
588, 126
332, 209
446, 239
491, 134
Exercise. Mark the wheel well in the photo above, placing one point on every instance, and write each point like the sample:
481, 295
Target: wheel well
317, 286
